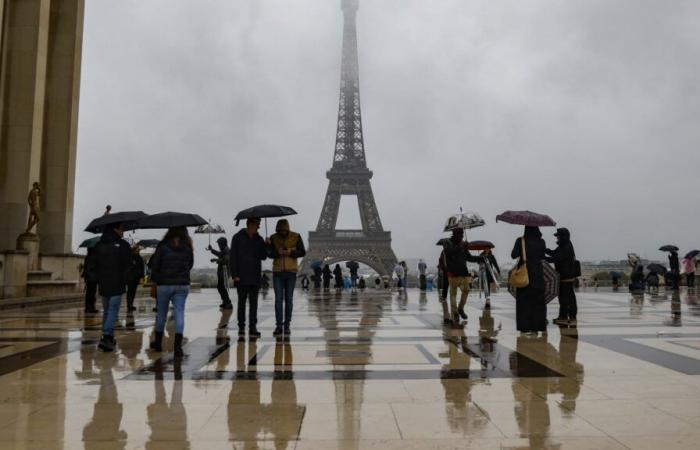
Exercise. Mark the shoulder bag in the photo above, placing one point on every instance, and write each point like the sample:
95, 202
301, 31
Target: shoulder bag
518, 277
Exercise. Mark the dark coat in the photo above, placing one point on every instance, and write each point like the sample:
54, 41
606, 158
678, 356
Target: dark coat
136, 269
222, 257
534, 248
171, 265
456, 257
673, 263
564, 259
247, 254
109, 264
327, 274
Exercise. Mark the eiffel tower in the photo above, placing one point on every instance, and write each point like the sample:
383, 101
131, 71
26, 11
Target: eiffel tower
350, 176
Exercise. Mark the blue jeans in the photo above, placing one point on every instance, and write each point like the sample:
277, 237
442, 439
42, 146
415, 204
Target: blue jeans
110, 313
283, 284
177, 294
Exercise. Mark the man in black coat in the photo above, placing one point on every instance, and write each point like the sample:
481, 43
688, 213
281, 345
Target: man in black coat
135, 273
221, 260
564, 259
675, 266
109, 266
248, 250
457, 255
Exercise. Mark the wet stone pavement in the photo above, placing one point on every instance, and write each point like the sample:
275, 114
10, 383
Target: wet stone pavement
368, 370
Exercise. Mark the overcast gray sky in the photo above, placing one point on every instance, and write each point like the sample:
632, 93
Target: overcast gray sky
587, 111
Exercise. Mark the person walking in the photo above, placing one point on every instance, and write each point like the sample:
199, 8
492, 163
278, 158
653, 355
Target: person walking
248, 250
109, 266
285, 247
221, 260
354, 268
564, 259
490, 258
530, 305
170, 272
133, 277
404, 282
90, 284
422, 268
327, 276
674, 265
338, 274
317, 277
689, 269
457, 255
398, 270
444, 287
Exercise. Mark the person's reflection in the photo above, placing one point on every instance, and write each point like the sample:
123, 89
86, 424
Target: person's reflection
455, 382
223, 342
487, 338
531, 411
245, 413
570, 384
692, 302
636, 304
283, 412
107, 413
422, 301
676, 309
168, 422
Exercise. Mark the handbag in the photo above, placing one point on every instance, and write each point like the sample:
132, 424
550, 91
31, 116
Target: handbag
518, 277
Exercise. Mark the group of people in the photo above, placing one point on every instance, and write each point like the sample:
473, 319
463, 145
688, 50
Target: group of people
531, 252
113, 268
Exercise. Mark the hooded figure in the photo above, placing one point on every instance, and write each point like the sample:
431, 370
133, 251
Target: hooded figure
285, 247
564, 259
530, 306
221, 260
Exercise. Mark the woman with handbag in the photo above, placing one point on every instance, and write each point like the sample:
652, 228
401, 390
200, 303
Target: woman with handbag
528, 278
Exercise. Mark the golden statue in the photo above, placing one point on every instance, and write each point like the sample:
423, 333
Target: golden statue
34, 201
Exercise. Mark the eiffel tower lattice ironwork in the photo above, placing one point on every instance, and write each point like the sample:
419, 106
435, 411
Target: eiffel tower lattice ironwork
350, 176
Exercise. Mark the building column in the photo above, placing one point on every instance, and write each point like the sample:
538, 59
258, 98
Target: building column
40, 56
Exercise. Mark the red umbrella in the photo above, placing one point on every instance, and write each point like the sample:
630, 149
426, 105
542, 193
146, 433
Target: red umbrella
480, 245
527, 218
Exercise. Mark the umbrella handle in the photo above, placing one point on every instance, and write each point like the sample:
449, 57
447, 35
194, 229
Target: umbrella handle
266, 227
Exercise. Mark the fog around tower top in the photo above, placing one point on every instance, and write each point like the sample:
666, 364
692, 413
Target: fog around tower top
586, 111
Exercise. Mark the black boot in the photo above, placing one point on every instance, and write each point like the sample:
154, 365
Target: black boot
106, 343
178, 346
157, 344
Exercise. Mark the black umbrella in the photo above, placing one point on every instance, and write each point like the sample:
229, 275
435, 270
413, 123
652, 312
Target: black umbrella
692, 254
443, 241
657, 268
616, 274
170, 220
527, 218
148, 243
89, 243
352, 265
263, 212
130, 220
668, 248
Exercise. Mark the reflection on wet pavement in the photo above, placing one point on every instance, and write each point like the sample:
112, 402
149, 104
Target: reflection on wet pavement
373, 369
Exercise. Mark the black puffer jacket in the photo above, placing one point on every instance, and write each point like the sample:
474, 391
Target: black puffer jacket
564, 259
109, 263
171, 265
